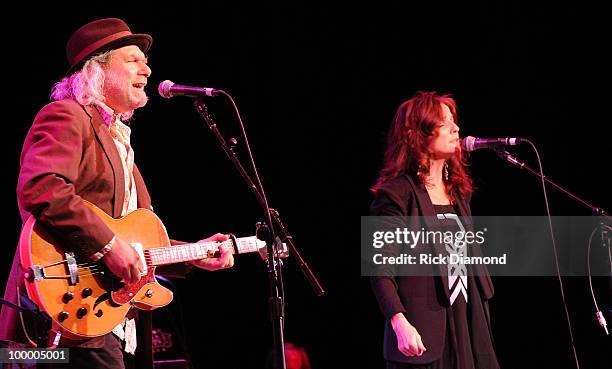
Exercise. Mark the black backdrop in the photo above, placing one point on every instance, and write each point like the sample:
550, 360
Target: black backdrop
317, 86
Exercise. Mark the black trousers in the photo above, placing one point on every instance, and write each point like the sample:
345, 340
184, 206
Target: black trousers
111, 356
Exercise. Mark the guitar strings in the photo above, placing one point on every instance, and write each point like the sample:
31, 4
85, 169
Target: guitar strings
94, 267
148, 259
86, 265
93, 264
86, 269
89, 272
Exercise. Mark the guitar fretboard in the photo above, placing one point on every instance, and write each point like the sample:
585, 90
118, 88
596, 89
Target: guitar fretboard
195, 251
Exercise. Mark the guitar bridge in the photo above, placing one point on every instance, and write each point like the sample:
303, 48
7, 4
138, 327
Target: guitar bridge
38, 272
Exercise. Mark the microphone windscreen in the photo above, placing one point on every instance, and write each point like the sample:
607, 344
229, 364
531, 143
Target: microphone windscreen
467, 143
164, 89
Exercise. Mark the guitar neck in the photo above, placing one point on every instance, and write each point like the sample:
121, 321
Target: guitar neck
200, 250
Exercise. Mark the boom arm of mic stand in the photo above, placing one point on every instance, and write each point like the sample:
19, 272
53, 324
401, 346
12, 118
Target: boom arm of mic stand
504, 154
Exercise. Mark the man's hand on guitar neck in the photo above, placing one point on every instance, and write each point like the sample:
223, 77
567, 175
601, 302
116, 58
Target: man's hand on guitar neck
224, 261
123, 261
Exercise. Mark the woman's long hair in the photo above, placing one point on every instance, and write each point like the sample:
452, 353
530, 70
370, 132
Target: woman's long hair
414, 127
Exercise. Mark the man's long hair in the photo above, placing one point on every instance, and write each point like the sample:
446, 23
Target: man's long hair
407, 152
86, 86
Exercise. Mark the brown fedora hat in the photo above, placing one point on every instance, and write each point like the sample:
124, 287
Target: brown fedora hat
99, 36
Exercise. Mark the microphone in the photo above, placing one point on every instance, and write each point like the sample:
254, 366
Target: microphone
170, 89
471, 143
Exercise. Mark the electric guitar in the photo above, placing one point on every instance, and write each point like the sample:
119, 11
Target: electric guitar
83, 298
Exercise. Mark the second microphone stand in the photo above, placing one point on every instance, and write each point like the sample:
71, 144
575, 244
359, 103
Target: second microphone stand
267, 233
603, 229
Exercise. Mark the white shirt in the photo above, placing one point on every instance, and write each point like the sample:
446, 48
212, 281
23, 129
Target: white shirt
126, 330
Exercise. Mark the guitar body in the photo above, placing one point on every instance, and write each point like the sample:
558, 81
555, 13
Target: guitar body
83, 298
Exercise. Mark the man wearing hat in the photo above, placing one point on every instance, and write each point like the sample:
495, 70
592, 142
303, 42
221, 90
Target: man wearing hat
78, 148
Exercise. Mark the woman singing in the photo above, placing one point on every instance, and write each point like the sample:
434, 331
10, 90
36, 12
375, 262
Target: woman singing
438, 320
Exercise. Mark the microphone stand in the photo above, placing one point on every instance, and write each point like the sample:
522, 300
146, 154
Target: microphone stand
605, 235
273, 262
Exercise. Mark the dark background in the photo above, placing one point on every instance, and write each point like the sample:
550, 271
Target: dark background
317, 86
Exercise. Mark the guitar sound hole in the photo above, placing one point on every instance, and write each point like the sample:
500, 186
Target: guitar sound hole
103, 297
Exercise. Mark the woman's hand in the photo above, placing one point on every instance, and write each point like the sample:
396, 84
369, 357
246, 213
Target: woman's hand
408, 338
